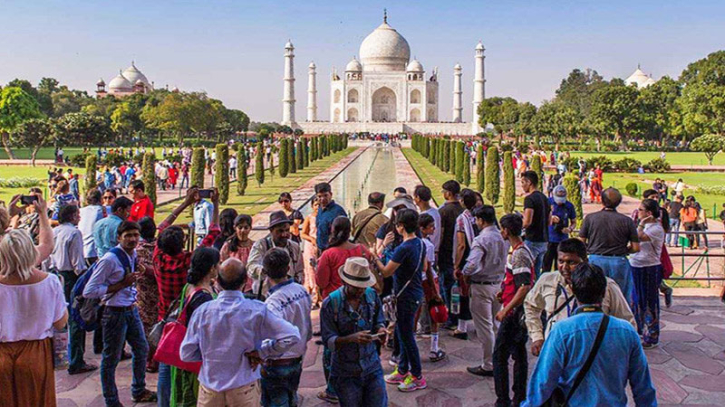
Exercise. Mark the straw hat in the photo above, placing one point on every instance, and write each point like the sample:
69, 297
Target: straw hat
406, 201
356, 272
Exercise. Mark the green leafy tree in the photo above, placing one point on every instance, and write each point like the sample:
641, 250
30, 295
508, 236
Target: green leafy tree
574, 195
198, 164
259, 164
577, 90
710, 144
538, 168
509, 183
283, 165
480, 170
460, 150
91, 167
466, 168
82, 129
241, 169
16, 106
616, 110
452, 157
446, 155
300, 155
306, 152
703, 95
149, 175
433, 156
34, 134
493, 178
292, 156
662, 113
221, 174
503, 113
557, 120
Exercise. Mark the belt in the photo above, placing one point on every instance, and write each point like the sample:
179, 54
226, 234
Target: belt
282, 362
120, 309
483, 283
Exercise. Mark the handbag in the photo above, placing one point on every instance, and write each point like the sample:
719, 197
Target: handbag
390, 303
158, 329
558, 398
173, 335
666, 261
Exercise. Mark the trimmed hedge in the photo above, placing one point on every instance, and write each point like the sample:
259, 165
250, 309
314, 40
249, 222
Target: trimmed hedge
198, 164
452, 157
149, 175
460, 151
306, 151
574, 195
283, 165
657, 165
446, 155
221, 174
466, 169
480, 170
91, 166
509, 183
241, 170
259, 164
300, 155
493, 178
538, 169
632, 189
291, 156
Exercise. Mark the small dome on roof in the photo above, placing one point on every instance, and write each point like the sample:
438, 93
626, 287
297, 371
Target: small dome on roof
353, 66
289, 44
120, 83
134, 75
100, 82
457, 67
414, 66
641, 79
312, 65
480, 46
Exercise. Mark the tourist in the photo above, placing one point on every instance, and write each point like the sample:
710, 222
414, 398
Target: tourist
688, 215
368, 221
146, 286
675, 221
229, 374
109, 179
68, 262
422, 196
466, 230
326, 214
113, 280
701, 223
570, 344
62, 198
105, 230
352, 320
309, 254
552, 295
239, 245
107, 200
647, 273
162, 175
291, 302
203, 211
173, 175
27, 377
407, 264
610, 236
449, 212
279, 236
73, 186
142, 205
563, 222
90, 215
398, 192
431, 288
388, 238
232, 166
537, 218
130, 175
285, 200
226, 225
185, 168
679, 188
25, 217
484, 271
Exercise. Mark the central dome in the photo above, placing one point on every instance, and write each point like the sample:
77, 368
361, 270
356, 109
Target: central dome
384, 50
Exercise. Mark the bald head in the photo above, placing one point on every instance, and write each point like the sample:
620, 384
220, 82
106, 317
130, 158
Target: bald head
376, 199
611, 198
232, 275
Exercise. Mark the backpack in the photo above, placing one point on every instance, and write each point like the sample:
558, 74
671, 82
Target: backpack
336, 301
86, 312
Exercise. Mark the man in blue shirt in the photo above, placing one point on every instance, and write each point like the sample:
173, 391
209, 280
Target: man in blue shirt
563, 221
203, 211
327, 212
567, 348
104, 231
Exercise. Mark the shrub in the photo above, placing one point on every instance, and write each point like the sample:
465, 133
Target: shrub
538, 168
631, 189
259, 164
306, 151
241, 169
466, 169
626, 164
197, 168
480, 170
301, 155
493, 178
446, 155
221, 175
114, 160
91, 167
460, 151
657, 165
22, 182
452, 157
283, 166
574, 195
604, 162
79, 160
291, 156
509, 183
149, 175
433, 156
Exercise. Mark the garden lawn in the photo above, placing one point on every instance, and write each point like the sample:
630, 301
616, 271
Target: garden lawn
8, 172
674, 158
258, 198
434, 178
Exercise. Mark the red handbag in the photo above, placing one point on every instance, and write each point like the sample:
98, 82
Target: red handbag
168, 350
667, 266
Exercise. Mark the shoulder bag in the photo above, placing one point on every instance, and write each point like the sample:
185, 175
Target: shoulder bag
169, 346
390, 303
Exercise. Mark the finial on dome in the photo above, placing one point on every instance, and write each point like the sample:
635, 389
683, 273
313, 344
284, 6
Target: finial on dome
638, 66
385, 15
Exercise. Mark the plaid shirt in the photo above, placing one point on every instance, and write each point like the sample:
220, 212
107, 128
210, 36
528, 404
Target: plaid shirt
170, 271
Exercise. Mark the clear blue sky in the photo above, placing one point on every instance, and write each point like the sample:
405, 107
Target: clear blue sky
233, 50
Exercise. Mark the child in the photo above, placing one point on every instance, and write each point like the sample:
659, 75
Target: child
430, 285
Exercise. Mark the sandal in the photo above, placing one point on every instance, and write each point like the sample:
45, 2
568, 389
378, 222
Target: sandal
324, 396
437, 356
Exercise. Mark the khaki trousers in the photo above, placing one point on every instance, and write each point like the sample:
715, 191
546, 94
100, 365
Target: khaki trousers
484, 307
245, 396
27, 378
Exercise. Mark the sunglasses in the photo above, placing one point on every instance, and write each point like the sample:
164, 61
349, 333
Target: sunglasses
284, 201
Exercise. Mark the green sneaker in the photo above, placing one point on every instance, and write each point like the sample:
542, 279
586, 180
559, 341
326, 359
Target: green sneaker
396, 378
412, 383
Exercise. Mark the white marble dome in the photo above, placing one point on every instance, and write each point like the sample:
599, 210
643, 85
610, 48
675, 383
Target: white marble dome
134, 75
384, 50
353, 66
120, 83
641, 79
414, 66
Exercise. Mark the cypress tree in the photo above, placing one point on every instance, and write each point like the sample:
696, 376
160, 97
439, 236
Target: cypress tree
509, 183
313, 149
283, 166
197, 168
221, 174
441, 153
574, 195
90, 177
149, 175
325, 146
259, 164
271, 164
446, 155
493, 178
241, 169
538, 169
460, 150
433, 156
344, 141
300, 155
466, 168
306, 151
452, 157
291, 157
480, 170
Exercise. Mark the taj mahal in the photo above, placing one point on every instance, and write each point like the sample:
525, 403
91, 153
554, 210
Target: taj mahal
383, 91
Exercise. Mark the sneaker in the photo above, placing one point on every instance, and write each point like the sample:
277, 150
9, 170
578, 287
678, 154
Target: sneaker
394, 360
649, 345
396, 378
668, 297
412, 383
325, 396
437, 356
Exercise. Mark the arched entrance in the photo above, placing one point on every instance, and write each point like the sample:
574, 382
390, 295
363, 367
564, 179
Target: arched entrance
415, 115
352, 115
384, 105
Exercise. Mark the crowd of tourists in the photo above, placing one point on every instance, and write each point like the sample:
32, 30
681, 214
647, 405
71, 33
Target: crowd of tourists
226, 320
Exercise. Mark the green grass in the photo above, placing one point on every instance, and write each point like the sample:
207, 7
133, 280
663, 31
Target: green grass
684, 158
258, 198
26, 171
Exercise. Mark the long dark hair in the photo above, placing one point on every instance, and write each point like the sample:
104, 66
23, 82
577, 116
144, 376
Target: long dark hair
233, 239
340, 234
226, 222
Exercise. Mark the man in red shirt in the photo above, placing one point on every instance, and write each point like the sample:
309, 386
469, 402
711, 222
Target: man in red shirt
142, 205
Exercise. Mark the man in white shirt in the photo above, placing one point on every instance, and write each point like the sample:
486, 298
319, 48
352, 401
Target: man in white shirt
90, 214
291, 302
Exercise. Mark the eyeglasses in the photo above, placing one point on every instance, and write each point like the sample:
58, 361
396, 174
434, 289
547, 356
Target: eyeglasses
284, 201
106, 198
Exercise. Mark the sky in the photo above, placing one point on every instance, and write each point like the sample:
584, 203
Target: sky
233, 50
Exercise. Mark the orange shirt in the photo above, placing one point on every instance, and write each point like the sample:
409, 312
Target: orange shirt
688, 214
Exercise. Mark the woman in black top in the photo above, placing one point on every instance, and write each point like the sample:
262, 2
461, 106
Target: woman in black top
285, 199
226, 224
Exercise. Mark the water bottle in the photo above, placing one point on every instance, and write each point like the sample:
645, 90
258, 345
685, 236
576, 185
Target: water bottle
455, 299
60, 348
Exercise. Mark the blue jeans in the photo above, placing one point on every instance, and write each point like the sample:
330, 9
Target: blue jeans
617, 268
538, 250
647, 305
365, 391
446, 284
326, 364
674, 231
163, 386
405, 330
120, 326
279, 385
76, 335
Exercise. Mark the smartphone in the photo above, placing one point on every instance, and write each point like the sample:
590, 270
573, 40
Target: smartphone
205, 193
378, 335
28, 199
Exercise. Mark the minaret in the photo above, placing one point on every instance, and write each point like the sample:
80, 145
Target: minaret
288, 100
479, 83
312, 94
457, 94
